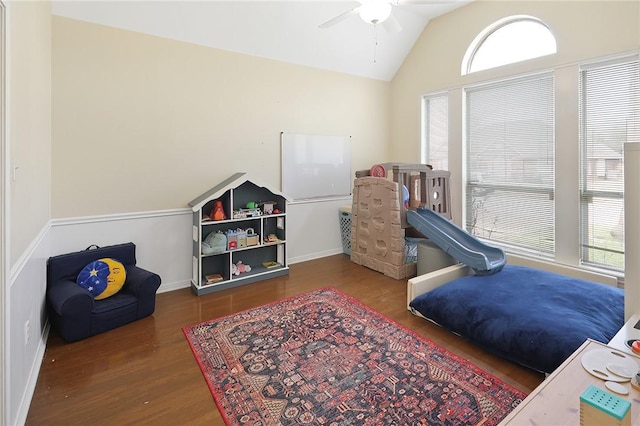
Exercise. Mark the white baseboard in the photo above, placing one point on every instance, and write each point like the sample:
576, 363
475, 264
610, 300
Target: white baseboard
313, 256
174, 286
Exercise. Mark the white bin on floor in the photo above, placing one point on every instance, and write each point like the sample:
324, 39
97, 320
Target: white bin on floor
345, 228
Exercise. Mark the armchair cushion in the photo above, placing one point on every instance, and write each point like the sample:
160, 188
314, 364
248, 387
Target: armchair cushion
76, 314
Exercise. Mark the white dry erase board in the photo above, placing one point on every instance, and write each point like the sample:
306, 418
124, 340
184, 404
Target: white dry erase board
315, 166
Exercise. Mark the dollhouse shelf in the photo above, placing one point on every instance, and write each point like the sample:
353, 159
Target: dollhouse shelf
236, 193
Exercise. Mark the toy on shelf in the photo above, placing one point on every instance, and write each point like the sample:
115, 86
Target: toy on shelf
252, 237
232, 239
268, 207
213, 278
239, 268
244, 213
272, 238
241, 235
217, 213
215, 242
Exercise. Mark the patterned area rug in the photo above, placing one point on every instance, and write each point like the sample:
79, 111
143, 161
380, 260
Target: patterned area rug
324, 358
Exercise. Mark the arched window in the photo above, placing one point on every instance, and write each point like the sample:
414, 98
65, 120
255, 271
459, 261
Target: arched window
510, 40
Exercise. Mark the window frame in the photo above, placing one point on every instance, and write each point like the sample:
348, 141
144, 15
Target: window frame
481, 38
586, 194
425, 148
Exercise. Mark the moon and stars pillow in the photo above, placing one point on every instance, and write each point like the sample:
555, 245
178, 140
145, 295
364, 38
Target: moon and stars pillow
102, 278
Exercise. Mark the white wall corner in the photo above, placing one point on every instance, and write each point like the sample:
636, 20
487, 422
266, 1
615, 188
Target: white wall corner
26, 345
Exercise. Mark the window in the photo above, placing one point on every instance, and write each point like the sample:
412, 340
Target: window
510, 163
435, 131
507, 41
609, 117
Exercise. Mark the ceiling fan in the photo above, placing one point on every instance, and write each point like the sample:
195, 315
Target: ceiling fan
376, 12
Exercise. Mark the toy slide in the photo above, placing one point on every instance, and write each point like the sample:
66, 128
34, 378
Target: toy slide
462, 246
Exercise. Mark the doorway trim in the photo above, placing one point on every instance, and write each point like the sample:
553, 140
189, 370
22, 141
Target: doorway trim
4, 221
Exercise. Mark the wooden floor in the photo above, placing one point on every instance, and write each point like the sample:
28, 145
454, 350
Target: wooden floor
145, 373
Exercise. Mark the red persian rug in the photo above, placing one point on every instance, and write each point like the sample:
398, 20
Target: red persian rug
324, 358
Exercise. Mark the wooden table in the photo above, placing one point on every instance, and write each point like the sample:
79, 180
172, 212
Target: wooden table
557, 400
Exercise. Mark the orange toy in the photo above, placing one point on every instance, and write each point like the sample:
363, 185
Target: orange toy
218, 212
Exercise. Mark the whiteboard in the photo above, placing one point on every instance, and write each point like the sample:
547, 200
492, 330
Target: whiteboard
315, 166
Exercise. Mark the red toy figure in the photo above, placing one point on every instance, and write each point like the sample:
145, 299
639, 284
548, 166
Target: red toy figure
218, 212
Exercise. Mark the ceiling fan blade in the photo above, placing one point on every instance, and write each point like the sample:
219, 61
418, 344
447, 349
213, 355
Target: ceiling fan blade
339, 18
392, 25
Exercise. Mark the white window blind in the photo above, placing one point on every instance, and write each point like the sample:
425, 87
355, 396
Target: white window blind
510, 163
609, 114
435, 113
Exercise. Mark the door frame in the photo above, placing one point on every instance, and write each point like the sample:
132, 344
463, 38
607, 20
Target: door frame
4, 220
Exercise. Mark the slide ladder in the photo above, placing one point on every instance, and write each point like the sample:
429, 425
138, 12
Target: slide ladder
462, 246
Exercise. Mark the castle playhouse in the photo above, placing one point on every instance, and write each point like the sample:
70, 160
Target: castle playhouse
380, 236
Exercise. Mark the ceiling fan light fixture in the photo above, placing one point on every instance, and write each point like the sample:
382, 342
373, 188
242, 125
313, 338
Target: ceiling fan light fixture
374, 11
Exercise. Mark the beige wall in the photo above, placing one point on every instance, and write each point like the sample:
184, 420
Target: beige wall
145, 123
583, 30
29, 121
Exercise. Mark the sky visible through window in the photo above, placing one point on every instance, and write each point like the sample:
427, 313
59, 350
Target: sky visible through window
516, 41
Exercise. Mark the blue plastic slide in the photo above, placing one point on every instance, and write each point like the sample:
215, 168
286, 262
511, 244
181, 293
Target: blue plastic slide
462, 246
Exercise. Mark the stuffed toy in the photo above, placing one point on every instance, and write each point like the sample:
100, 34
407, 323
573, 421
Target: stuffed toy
215, 242
217, 213
239, 268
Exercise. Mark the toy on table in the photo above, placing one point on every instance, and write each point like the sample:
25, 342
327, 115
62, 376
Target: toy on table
239, 268
217, 213
599, 407
635, 382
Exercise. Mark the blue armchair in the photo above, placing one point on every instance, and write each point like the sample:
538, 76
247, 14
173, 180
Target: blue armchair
72, 310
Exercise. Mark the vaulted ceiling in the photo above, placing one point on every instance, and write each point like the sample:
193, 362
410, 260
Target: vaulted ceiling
282, 30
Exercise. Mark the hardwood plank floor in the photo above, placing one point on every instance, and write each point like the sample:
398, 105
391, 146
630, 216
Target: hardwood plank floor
145, 373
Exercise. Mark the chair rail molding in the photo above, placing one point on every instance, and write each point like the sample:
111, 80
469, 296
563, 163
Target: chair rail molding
162, 238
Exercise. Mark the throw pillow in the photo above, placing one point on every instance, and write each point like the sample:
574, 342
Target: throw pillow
102, 278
